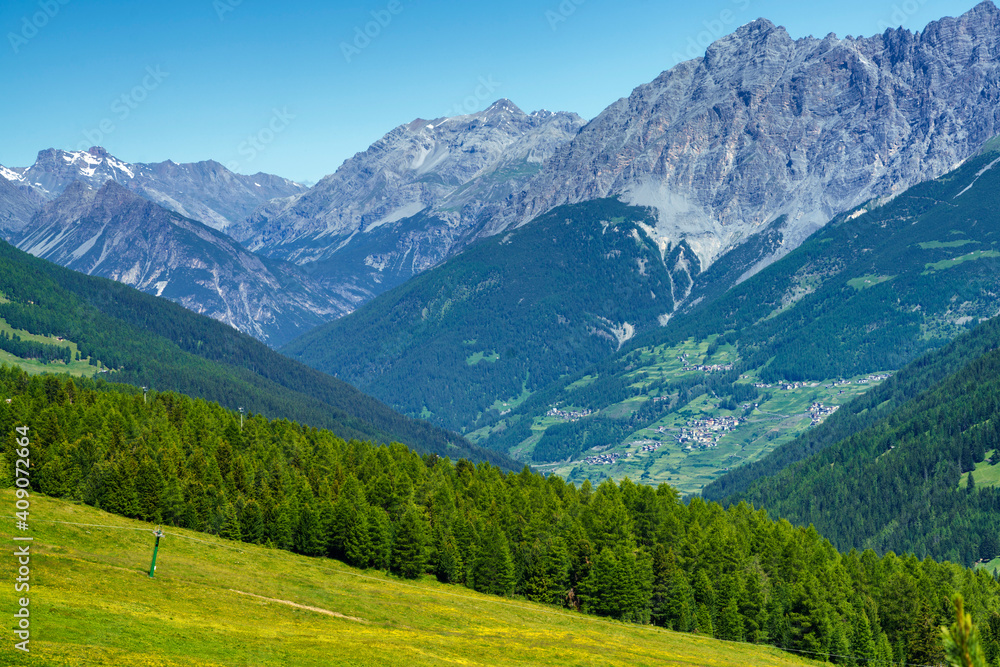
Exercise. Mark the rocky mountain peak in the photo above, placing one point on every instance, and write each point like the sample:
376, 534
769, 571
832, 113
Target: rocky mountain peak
766, 126
448, 168
757, 45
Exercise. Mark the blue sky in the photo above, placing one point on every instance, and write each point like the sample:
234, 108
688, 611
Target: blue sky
295, 88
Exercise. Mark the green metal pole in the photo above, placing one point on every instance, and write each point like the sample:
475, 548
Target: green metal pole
152, 567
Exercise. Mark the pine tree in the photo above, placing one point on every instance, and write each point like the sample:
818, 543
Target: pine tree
252, 524
380, 538
349, 533
448, 566
494, 568
862, 642
409, 550
883, 652
309, 538
923, 646
730, 623
149, 487
357, 540
230, 529
703, 621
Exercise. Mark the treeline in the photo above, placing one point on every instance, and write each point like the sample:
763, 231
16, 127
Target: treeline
157, 343
29, 349
895, 485
622, 550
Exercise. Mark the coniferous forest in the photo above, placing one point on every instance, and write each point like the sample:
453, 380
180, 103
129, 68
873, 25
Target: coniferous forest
620, 550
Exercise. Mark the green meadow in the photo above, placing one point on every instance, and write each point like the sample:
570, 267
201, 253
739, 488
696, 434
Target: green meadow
215, 602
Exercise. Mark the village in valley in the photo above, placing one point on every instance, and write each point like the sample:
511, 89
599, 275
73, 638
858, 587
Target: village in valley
691, 446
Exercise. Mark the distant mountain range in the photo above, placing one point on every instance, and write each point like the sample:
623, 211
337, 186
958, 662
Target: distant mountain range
740, 154
762, 128
204, 191
114, 233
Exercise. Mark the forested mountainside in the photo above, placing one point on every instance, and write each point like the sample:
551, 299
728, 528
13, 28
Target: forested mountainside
885, 472
153, 342
624, 551
870, 292
508, 316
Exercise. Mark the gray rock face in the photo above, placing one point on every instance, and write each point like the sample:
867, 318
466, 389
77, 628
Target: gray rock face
204, 191
114, 233
18, 203
764, 125
721, 146
446, 170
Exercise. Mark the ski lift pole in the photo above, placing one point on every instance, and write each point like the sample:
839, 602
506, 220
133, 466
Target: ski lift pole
152, 567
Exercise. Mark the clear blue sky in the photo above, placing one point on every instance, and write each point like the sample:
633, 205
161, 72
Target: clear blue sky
196, 79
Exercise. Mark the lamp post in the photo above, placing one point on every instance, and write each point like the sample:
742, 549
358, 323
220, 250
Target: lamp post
241, 419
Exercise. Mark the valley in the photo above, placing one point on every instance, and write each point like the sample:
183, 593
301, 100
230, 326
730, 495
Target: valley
694, 444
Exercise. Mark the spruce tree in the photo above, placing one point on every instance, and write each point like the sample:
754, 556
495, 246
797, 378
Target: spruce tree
448, 566
924, 644
862, 642
349, 532
309, 537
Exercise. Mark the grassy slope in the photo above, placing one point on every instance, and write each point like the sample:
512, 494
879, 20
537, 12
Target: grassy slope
80, 368
92, 603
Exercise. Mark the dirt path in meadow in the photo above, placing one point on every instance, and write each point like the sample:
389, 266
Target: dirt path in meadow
301, 606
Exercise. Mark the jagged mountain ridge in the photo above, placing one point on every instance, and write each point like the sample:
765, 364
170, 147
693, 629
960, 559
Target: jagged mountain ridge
114, 233
408, 200
764, 126
205, 191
